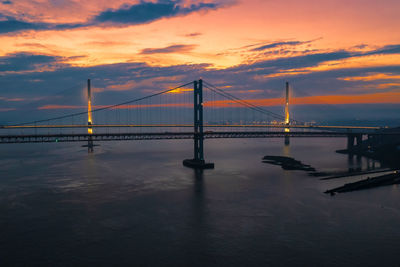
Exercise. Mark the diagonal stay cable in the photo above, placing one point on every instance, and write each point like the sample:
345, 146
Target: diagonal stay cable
237, 101
241, 101
244, 102
104, 108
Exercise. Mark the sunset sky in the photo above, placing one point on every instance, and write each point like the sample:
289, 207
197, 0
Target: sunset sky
331, 51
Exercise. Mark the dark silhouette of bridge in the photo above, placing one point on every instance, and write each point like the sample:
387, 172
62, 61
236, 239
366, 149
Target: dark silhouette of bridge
149, 118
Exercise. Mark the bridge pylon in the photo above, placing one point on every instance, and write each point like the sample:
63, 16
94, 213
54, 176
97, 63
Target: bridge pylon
90, 129
287, 118
90, 144
198, 161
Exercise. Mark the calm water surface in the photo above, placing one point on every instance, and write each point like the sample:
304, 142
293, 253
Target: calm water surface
133, 204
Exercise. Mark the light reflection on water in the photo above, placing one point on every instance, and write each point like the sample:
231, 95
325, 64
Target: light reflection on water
133, 203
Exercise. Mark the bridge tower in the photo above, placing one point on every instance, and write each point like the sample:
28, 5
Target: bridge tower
287, 118
198, 161
90, 121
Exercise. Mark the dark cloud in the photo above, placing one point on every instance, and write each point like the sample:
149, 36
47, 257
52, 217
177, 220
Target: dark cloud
145, 12
361, 46
277, 44
68, 26
13, 25
6, 2
389, 49
303, 61
147, 79
25, 61
266, 67
141, 13
168, 49
193, 34
140, 71
281, 44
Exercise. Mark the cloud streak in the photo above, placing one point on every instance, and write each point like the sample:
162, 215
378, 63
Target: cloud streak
115, 81
278, 44
377, 98
25, 62
169, 49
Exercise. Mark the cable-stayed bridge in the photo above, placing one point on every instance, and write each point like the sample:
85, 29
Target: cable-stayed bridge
196, 110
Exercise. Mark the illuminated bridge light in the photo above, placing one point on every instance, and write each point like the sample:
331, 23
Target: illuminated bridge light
90, 130
287, 120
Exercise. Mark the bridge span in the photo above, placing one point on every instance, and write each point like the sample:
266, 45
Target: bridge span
84, 137
153, 117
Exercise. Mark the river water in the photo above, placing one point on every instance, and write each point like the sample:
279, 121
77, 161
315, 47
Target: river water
132, 203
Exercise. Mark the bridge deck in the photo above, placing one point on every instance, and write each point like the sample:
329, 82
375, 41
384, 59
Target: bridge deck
47, 138
276, 126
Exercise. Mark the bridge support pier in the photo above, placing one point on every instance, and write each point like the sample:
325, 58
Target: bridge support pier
90, 145
287, 140
354, 142
198, 161
359, 141
350, 142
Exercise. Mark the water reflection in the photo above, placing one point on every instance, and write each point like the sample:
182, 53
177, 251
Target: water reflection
354, 166
287, 140
198, 222
286, 175
242, 213
359, 163
199, 209
198, 181
286, 147
370, 164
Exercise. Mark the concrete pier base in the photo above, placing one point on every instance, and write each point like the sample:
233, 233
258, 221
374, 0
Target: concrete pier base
354, 142
198, 164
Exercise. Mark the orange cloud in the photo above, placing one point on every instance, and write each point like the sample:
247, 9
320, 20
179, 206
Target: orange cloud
180, 91
121, 87
372, 23
12, 99
117, 107
347, 63
150, 83
376, 98
59, 107
372, 77
388, 85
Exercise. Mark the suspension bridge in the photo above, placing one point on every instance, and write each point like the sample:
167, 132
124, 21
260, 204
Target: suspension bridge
196, 110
